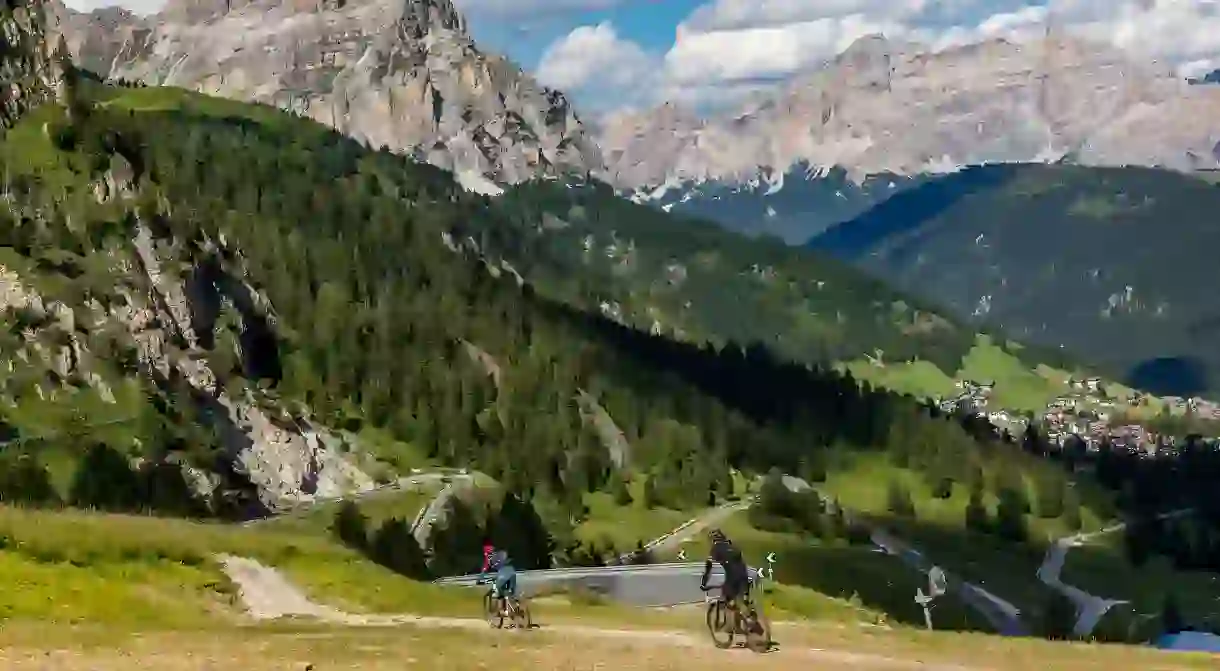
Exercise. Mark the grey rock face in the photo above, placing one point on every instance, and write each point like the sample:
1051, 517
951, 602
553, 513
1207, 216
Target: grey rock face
27, 71
288, 460
883, 107
400, 73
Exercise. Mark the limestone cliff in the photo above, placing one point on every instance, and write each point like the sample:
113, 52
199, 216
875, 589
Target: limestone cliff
404, 74
26, 68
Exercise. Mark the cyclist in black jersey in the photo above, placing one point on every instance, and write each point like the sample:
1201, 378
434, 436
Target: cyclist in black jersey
736, 573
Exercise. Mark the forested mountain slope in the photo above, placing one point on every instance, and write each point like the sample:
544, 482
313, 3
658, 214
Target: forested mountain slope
1110, 263
220, 258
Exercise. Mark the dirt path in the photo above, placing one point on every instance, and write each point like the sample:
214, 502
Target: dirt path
268, 595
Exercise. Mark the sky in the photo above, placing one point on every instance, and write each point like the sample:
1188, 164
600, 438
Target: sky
609, 55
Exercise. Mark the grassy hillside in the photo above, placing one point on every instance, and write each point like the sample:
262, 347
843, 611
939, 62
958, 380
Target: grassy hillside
1060, 255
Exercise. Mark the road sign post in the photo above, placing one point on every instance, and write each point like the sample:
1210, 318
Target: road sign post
925, 602
937, 585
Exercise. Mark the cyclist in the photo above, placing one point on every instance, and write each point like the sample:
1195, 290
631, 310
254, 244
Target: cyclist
736, 573
506, 574
488, 551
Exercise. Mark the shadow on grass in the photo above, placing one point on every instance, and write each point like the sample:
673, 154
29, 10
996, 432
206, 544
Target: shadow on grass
872, 580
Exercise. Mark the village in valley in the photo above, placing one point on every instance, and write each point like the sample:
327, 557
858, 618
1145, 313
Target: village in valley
1089, 412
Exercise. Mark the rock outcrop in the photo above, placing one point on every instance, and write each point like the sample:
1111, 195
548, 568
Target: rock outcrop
884, 107
285, 457
403, 74
27, 70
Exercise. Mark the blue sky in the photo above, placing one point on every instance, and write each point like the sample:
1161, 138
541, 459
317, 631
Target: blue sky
609, 55
651, 23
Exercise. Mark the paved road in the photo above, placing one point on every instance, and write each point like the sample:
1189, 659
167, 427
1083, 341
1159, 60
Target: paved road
650, 585
1003, 616
407, 483
1089, 608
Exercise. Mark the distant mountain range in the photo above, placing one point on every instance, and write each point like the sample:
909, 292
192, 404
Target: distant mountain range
791, 205
1212, 77
882, 107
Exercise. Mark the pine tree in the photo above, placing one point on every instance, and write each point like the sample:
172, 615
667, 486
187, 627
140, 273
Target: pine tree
1071, 511
900, 500
1059, 618
457, 544
621, 492
1171, 615
1010, 517
24, 481
394, 547
105, 480
650, 493
1051, 494
977, 517
350, 526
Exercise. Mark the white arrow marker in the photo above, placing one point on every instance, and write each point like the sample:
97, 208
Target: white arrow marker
682, 555
770, 557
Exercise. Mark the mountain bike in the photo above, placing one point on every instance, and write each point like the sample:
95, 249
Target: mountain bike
732, 622
497, 609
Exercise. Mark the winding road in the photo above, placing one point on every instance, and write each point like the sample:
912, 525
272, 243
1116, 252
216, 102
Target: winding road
1002, 615
1089, 607
407, 483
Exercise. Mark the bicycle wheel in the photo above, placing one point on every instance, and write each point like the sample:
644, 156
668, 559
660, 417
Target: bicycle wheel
491, 611
758, 630
718, 623
521, 615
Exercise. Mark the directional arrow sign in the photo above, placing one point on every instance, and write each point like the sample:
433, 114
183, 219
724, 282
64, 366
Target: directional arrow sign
681, 555
937, 582
770, 557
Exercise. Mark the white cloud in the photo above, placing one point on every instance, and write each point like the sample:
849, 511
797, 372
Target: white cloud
143, 7
745, 14
596, 56
728, 41
752, 53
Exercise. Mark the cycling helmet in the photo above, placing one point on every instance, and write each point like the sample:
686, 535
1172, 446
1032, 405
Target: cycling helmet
715, 534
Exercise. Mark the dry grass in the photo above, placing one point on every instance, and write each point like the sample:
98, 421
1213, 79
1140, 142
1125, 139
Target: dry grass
104, 593
562, 648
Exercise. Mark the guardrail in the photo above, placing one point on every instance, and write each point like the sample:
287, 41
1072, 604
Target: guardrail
591, 572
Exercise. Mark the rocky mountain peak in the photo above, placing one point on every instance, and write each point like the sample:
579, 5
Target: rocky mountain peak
867, 60
420, 16
403, 74
881, 107
28, 73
